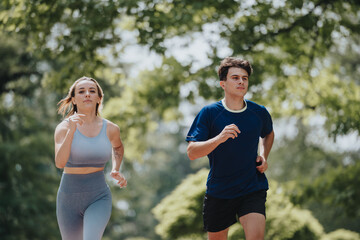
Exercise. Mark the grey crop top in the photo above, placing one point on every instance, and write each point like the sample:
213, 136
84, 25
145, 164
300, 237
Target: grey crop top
90, 151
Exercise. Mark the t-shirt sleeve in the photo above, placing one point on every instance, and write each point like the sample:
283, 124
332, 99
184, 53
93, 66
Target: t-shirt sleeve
199, 130
267, 126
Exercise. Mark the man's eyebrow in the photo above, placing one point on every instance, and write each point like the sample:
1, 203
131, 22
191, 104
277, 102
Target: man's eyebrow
237, 75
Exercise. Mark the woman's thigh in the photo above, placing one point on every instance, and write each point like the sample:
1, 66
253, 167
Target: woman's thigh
97, 216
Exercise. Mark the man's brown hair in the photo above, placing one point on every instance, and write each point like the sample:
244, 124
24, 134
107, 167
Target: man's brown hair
233, 62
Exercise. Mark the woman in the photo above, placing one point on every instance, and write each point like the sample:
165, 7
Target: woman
84, 142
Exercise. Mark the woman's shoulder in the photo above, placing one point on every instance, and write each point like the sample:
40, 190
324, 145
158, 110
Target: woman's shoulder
112, 127
63, 124
61, 128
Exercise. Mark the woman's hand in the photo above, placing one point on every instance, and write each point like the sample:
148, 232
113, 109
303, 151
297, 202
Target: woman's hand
121, 181
75, 119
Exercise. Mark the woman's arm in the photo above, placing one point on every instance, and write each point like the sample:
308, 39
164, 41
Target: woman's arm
63, 138
117, 153
64, 134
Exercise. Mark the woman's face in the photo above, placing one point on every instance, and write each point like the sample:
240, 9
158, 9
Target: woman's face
86, 95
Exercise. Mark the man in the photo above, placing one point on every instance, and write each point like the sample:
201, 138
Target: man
229, 132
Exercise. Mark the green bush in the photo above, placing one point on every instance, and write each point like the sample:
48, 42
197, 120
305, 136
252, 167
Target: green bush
179, 214
286, 221
341, 234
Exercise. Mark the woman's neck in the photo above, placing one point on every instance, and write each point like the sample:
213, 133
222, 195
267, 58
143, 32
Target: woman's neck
89, 117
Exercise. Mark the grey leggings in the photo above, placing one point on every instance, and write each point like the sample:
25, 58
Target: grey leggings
83, 206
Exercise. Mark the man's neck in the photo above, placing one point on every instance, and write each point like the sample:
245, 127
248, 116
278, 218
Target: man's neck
234, 104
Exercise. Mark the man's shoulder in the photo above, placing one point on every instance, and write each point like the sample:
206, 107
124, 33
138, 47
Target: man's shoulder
255, 106
211, 110
213, 106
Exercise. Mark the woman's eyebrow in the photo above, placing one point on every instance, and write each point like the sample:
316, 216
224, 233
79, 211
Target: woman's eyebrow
84, 88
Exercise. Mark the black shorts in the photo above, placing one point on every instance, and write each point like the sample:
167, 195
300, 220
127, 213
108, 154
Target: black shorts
219, 214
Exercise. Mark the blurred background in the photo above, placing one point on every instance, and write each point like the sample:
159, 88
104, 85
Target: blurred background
157, 61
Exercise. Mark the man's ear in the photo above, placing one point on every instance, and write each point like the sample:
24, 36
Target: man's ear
222, 84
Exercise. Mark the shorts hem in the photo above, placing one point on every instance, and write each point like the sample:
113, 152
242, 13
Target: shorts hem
219, 229
259, 212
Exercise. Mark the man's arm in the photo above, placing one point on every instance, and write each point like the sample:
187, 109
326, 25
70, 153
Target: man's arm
200, 149
266, 144
265, 148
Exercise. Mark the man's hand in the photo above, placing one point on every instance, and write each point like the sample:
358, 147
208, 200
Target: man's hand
230, 131
262, 164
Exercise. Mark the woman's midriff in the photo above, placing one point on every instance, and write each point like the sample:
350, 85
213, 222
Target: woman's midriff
82, 170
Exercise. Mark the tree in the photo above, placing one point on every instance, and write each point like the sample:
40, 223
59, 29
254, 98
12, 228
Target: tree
28, 175
306, 163
179, 214
291, 44
16, 63
301, 158
286, 41
305, 56
336, 189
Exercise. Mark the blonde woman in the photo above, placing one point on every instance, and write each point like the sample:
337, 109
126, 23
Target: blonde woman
84, 142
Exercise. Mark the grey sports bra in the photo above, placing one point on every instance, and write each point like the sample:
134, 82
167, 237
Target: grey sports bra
90, 151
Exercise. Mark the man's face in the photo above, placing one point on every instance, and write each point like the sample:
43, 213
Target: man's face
237, 82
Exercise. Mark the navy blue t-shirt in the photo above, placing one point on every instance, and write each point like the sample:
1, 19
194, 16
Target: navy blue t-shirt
233, 170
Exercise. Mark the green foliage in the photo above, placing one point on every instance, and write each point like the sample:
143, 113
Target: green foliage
141, 105
137, 238
337, 187
297, 158
191, 237
28, 177
179, 214
341, 234
321, 95
286, 221
286, 42
293, 45
305, 58
159, 84
16, 62
300, 162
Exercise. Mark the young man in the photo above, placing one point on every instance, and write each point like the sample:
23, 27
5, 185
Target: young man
229, 132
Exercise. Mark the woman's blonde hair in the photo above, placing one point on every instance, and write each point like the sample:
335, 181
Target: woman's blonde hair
66, 105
